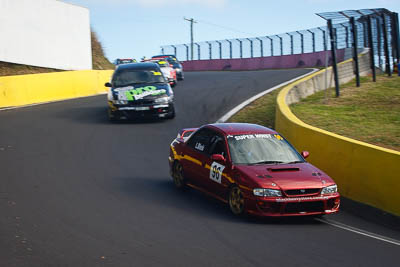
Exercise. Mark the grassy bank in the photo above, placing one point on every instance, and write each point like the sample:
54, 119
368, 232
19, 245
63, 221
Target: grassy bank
370, 113
261, 111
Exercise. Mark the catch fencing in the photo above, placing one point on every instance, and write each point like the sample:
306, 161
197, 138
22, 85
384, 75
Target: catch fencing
351, 31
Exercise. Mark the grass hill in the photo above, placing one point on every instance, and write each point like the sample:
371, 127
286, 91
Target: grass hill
100, 62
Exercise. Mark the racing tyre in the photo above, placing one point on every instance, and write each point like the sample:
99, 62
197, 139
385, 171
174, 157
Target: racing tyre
111, 116
177, 175
236, 200
172, 115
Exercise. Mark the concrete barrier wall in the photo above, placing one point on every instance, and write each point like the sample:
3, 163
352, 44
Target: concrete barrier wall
38, 88
45, 33
363, 172
306, 60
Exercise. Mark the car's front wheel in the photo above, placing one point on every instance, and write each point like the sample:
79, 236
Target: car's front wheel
236, 200
112, 116
177, 175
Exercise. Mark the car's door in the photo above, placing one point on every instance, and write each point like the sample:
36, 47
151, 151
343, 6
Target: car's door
216, 171
195, 155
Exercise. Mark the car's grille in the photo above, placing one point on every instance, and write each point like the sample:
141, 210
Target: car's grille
140, 102
296, 207
299, 192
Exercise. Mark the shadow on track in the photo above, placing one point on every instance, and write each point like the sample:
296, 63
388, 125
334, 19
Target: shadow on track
162, 193
98, 115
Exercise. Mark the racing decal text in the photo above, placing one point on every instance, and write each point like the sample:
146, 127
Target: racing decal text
216, 170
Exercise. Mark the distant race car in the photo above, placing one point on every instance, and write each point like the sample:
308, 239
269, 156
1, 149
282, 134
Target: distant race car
119, 61
175, 64
139, 90
166, 68
253, 169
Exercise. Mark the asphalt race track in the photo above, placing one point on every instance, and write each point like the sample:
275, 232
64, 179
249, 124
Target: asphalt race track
76, 190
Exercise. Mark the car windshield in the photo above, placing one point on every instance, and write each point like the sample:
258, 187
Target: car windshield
261, 149
128, 77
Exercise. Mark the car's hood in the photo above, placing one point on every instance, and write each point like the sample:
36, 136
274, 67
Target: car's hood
286, 176
140, 91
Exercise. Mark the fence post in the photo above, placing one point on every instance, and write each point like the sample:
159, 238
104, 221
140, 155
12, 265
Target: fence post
301, 41
365, 30
355, 50
220, 49
334, 63
347, 35
371, 45
174, 49
241, 47
251, 46
291, 43
324, 37
261, 46
198, 50
230, 48
209, 49
187, 52
313, 40
272, 45
395, 37
281, 43
386, 46
379, 38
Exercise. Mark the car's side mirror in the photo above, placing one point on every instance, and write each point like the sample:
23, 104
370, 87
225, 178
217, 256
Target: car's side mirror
305, 154
107, 85
218, 157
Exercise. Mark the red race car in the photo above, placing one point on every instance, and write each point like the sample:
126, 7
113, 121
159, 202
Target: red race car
253, 169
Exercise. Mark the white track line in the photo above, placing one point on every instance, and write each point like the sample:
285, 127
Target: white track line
48, 102
360, 232
248, 101
330, 222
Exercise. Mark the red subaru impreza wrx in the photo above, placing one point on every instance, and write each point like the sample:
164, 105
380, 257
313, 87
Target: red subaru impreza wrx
253, 169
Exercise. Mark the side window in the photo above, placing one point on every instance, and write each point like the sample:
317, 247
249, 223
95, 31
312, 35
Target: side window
217, 145
200, 140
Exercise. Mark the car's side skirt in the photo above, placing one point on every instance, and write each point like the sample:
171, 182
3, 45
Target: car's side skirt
207, 192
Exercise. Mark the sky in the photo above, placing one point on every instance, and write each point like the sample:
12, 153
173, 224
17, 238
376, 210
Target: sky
137, 28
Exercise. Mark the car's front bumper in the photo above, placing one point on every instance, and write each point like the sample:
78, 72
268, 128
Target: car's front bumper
163, 110
293, 206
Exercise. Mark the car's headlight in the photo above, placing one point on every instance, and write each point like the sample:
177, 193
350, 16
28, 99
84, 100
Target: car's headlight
120, 102
164, 99
263, 192
329, 189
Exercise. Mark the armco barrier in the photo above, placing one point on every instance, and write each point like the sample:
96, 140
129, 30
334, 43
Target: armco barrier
38, 88
363, 172
306, 60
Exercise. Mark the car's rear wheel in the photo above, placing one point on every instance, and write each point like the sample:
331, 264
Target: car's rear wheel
177, 175
236, 200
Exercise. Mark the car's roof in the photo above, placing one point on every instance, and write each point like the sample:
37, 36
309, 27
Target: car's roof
139, 66
163, 56
241, 128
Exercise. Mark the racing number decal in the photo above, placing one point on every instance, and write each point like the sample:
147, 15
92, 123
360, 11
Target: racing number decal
216, 172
